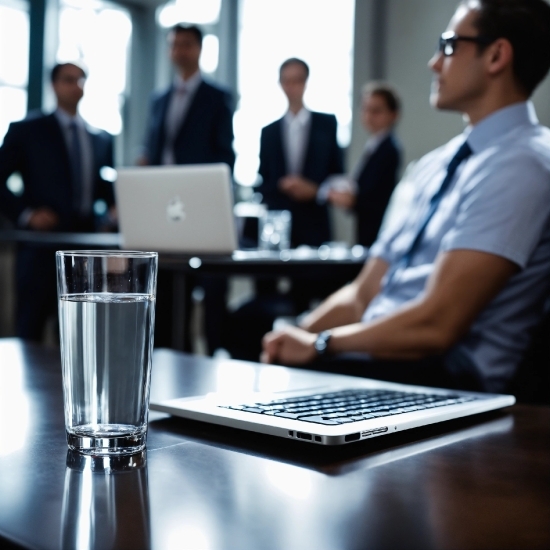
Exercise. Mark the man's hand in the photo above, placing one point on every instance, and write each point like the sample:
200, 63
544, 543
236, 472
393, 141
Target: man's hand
290, 346
43, 219
341, 199
298, 188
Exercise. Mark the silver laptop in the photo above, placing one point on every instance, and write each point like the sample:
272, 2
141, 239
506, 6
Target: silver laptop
180, 209
336, 411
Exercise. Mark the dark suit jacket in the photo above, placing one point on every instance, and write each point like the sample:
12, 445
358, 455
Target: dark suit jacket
323, 157
376, 183
206, 134
35, 147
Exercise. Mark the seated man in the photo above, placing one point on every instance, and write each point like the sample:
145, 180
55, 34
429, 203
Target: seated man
459, 286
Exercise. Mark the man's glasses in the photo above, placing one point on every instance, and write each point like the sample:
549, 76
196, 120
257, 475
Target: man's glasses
448, 40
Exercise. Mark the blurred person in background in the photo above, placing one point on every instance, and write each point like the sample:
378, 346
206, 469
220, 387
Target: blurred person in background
60, 160
368, 191
297, 153
190, 122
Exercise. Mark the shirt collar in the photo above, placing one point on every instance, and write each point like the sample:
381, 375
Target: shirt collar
499, 123
65, 119
190, 85
376, 139
302, 116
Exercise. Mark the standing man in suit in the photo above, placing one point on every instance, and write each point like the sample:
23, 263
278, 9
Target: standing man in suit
59, 159
190, 123
297, 153
375, 176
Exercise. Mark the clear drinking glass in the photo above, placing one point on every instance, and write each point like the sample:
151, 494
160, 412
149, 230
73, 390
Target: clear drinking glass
274, 230
106, 318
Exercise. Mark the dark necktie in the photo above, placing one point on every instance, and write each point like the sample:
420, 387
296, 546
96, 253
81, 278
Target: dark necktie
76, 165
464, 152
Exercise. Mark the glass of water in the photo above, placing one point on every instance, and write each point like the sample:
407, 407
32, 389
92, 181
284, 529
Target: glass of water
106, 318
274, 230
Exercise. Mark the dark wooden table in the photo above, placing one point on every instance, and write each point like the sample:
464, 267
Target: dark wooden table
340, 265
482, 482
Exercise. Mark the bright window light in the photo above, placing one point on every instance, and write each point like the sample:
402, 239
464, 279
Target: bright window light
201, 12
97, 34
210, 53
13, 106
14, 62
318, 31
14, 46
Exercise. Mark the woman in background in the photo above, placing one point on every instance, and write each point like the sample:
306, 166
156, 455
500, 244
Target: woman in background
369, 189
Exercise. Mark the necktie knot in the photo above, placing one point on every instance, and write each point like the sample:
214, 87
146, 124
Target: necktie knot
463, 153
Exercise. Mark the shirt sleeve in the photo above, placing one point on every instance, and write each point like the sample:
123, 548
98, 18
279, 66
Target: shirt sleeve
504, 209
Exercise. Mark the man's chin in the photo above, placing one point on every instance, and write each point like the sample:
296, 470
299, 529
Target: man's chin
437, 102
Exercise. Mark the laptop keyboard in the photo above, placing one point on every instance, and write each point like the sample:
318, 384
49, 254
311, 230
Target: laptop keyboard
347, 406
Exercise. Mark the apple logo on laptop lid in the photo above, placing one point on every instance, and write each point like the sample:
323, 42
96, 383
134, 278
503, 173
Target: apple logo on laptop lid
175, 210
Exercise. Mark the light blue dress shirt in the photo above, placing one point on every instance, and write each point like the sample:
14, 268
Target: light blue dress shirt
499, 203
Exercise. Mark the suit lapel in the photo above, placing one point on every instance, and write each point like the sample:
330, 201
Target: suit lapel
368, 160
309, 157
197, 105
58, 142
163, 102
279, 146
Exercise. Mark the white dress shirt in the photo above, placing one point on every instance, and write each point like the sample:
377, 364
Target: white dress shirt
180, 99
295, 139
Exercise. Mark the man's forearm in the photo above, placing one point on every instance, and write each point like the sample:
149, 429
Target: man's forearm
410, 333
340, 308
347, 305
462, 284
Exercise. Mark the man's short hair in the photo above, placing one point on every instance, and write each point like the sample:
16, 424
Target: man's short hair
526, 25
294, 61
191, 29
59, 66
384, 90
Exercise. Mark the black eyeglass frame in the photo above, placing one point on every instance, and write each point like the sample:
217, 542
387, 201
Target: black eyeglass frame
448, 40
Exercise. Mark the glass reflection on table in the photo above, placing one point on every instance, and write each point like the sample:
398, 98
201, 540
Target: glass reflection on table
105, 503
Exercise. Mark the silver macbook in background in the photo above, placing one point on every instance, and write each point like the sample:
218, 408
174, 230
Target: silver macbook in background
335, 409
180, 209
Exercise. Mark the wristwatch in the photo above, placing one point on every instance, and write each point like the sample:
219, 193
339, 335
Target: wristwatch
321, 343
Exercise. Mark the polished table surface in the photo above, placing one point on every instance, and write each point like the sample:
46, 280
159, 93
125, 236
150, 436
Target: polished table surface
55, 238
334, 263
253, 262
481, 482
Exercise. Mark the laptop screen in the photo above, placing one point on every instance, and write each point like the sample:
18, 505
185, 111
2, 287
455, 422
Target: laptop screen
179, 209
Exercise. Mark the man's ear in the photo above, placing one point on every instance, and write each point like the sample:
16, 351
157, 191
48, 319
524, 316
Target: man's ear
500, 56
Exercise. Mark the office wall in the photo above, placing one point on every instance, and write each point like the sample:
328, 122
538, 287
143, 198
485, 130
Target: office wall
394, 40
412, 29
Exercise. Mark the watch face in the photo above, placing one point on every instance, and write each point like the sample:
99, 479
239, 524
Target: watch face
321, 343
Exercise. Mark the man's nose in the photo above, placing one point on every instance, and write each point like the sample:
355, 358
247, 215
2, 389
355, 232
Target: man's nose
435, 62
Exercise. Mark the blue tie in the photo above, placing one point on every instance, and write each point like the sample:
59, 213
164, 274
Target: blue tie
76, 165
464, 152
